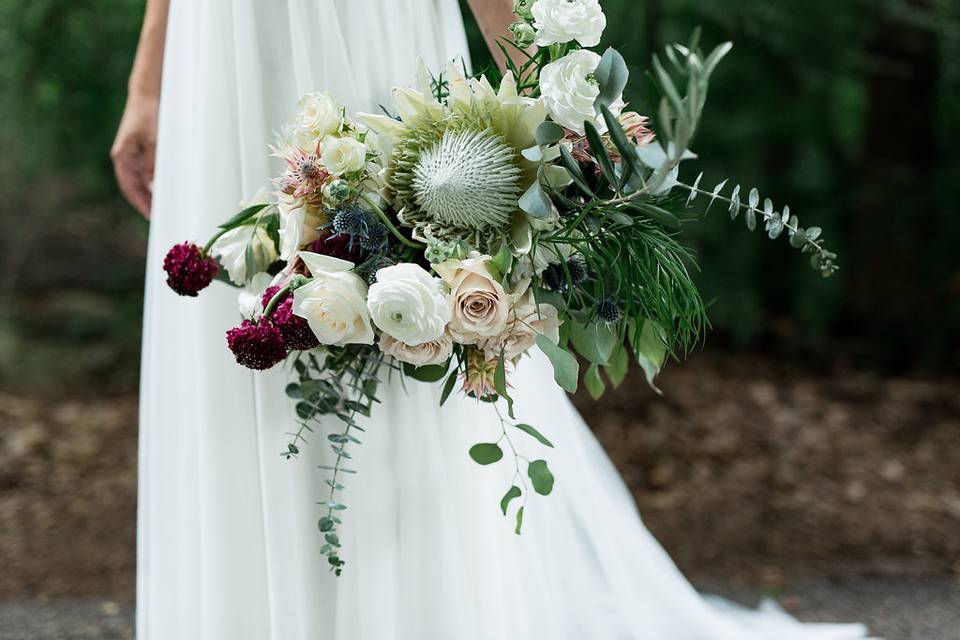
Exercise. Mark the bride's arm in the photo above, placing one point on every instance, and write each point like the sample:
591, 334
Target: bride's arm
494, 18
133, 149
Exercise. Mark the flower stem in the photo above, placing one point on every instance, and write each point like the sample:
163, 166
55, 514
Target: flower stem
275, 300
386, 221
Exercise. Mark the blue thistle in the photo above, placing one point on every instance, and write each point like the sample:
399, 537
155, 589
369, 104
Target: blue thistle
351, 221
375, 239
608, 310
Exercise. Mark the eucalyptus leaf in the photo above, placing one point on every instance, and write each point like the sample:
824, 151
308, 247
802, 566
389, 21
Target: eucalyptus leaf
576, 174
612, 75
529, 430
448, 387
486, 453
540, 477
519, 521
535, 202
618, 366
548, 133
595, 341
651, 351
566, 370
593, 382
512, 492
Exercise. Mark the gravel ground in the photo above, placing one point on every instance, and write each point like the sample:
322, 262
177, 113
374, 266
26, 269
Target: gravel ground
894, 610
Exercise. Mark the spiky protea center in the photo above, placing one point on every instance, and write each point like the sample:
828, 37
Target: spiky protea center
469, 179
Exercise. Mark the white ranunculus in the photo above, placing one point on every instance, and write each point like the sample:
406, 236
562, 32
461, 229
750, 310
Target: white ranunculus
343, 155
560, 21
434, 352
318, 114
231, 250
334, 302
570, 91
480, 304
408, 304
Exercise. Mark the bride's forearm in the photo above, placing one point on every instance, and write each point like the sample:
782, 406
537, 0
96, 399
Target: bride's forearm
148, 64
495, 18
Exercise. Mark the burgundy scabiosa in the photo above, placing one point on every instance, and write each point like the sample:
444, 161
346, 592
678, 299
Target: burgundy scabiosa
189, 269
295, 330
340, 245
257, 345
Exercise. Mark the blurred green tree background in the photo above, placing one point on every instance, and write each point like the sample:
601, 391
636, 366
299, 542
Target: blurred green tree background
847, 111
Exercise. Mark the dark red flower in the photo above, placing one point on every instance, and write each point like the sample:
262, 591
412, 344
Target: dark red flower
341, 245
257, 345
188, 269
295, 330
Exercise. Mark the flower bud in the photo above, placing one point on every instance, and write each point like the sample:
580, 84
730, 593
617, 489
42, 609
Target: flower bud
523, 9
523, 34
335, 192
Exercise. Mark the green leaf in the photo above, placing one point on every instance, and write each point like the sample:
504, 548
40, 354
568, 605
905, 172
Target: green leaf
529, 430
535, 202
612, 76
486, 453
293, 391
500, 383
513, 492
618, 366
594, 341
519, 521
427, 373
448, 386
503, 261
651, 351
576, 174
593, 382
599, 151
619, 137
655, 213
566, 369
548, 133
540, 477
325, 523
243, 216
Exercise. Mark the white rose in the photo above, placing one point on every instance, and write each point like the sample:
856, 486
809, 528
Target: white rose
434, 352
480, 304
569, 90
318, 115
231, 250
528, 320
299, 225
560, 21
334, 302
343, 155
408, 304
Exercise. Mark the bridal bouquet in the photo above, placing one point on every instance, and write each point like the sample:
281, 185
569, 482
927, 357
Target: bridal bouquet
475, 222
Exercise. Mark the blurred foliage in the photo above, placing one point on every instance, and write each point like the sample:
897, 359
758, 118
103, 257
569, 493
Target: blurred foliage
848, 112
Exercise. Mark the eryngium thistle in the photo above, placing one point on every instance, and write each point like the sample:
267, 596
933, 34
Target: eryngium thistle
608, 311
468, 180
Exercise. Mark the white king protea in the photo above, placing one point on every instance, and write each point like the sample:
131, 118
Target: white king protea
456, 169
468, 180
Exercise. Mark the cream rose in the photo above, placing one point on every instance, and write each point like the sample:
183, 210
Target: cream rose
334, 303
527, 320
480, 304
343, 155
408, 304
434, 352
560, 21
231, 250
569, 90
318, 115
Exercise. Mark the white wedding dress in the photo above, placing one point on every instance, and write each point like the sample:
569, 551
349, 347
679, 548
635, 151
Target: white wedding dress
228, 542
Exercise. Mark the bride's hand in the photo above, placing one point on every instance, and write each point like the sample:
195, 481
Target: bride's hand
133, 151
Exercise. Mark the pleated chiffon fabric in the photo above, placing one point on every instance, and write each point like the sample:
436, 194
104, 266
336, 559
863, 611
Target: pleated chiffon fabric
228, 542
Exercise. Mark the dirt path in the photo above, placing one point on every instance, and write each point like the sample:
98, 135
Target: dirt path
895, 610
